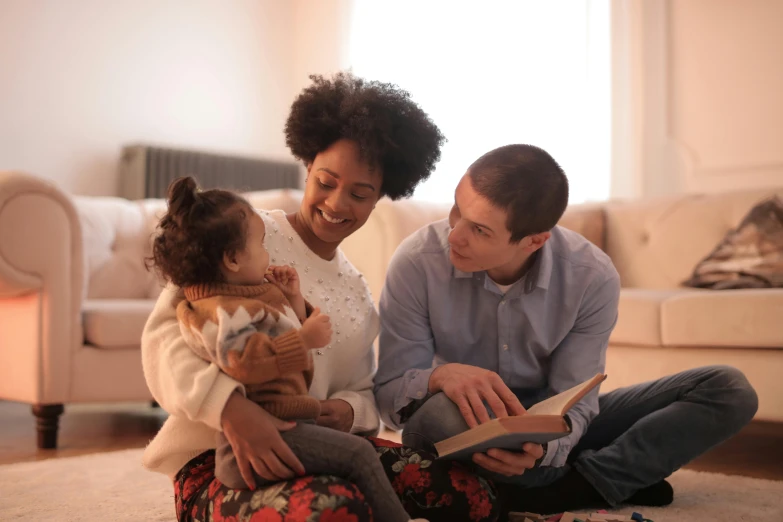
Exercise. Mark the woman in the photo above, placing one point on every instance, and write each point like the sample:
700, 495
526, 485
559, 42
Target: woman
360, 141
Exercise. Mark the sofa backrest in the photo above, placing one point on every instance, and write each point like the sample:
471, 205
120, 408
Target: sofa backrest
657, 243
117, 237
371, 247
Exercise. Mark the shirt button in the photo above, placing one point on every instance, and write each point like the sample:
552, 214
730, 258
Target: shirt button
419, 395
505, 347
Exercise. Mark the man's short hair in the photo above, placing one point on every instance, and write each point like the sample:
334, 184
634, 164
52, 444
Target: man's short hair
527, 183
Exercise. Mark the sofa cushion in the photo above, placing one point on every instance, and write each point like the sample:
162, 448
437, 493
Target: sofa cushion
749, 318
115, 323
639, 316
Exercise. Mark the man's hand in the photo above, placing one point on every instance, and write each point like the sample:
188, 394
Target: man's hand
336, 414
254, 435
468, 386
509, 463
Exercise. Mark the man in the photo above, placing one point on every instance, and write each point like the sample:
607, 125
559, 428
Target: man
497, 308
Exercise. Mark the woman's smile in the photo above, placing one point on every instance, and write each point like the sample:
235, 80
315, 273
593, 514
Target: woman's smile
331, 218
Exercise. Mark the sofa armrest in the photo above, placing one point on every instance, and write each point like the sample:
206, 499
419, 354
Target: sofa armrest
41, 271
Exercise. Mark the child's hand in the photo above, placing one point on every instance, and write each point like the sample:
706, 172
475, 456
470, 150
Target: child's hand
316, 331
285, 278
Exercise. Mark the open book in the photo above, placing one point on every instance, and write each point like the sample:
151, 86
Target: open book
543, 422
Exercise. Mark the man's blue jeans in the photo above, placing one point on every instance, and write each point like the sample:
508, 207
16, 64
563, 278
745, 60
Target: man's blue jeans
641, 435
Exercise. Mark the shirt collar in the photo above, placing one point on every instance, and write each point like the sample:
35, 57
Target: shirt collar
538, 276
541, 271
459, 274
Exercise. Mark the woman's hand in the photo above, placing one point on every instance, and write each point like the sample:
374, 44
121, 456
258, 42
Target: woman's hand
509, 463
254, 435
336, 414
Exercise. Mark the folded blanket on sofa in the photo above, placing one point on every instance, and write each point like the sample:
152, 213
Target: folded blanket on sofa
750, 256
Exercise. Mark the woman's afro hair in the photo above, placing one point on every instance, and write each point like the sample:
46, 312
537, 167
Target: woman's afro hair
392, 132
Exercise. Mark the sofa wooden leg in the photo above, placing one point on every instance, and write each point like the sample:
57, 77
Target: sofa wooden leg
47, 422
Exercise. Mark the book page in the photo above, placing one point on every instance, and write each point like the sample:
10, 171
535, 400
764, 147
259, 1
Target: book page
562, 402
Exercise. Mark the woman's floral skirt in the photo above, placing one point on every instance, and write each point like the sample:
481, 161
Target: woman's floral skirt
432, 489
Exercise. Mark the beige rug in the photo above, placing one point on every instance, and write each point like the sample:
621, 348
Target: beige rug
114, 487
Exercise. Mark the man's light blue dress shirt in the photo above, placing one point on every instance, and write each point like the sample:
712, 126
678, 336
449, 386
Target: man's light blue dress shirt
548, 333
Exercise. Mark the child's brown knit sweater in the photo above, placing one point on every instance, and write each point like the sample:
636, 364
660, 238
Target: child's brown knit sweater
252, 334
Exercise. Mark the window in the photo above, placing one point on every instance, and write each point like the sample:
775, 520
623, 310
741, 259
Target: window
494, 73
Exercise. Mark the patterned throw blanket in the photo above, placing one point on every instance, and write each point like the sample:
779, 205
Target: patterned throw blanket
750, 256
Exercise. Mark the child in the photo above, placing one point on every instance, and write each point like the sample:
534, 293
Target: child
251, 320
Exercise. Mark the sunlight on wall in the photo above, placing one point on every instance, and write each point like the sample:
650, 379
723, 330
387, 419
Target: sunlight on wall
496, 73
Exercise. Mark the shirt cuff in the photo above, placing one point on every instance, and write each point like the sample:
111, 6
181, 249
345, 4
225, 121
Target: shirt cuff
415, 387
551, 449
365, 418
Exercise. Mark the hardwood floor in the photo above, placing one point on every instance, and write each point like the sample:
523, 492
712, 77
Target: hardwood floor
757, 451
83, 429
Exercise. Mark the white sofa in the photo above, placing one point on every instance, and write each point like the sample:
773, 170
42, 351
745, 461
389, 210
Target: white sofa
75, 292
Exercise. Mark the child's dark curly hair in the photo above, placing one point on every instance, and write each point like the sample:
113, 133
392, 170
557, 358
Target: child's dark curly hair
392, 131
198, 228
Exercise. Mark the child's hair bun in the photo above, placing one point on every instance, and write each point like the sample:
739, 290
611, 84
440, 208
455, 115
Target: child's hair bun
183, 196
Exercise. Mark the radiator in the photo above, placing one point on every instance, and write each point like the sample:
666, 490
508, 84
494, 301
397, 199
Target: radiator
146, 171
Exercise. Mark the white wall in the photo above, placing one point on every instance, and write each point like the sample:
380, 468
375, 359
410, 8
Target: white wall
321, 39
79, 79
319, 42
727, 91
697, 99
698, 104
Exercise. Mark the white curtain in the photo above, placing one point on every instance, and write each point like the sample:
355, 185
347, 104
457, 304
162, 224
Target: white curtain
498, 72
